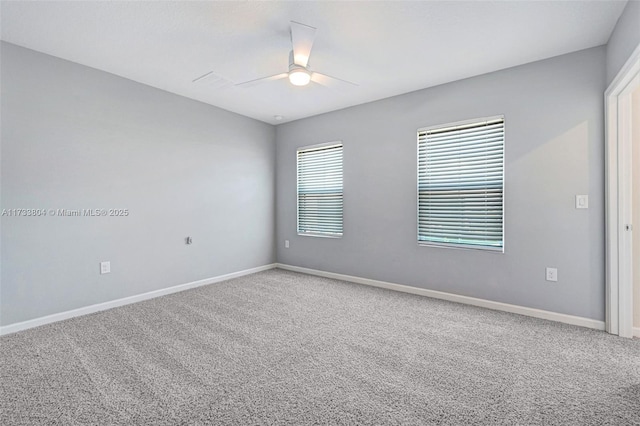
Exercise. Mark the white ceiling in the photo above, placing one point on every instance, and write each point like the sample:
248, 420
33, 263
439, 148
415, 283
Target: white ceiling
388, 47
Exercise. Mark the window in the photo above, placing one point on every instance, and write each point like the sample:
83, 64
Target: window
320, 190
460, 184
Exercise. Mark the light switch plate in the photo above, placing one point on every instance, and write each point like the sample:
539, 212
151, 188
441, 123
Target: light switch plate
582, 201
105, 267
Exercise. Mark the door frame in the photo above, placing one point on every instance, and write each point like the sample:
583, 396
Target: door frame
618, 240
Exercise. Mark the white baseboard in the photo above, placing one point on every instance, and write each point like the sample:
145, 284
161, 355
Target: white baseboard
636, 332
498, 306
19, 326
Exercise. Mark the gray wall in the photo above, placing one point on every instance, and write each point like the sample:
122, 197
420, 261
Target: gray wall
554, 150
624, 39
74, 137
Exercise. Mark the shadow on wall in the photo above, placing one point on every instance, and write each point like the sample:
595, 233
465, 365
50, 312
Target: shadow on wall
565, 161
540, 193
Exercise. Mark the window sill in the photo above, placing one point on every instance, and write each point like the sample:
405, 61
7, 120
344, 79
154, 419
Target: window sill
306, 234
494, 250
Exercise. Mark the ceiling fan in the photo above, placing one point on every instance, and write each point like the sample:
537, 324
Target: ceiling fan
299, 73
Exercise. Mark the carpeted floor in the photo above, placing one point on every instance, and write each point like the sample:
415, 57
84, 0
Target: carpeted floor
279, 347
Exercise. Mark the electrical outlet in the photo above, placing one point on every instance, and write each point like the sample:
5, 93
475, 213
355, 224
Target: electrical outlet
188, 240
582, 201
286, 243
552, 274
105, 267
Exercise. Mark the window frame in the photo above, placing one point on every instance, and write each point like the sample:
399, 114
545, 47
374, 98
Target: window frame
461, 246
311, 148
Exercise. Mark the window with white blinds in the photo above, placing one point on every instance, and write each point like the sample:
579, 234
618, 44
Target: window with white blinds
320, 190
460, 184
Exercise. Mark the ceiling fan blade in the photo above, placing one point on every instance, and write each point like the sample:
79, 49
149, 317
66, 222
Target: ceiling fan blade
329, 81
213, 80
262, 80
302, 41
202, 77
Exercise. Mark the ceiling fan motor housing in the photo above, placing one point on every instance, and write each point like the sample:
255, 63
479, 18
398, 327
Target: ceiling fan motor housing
293, 65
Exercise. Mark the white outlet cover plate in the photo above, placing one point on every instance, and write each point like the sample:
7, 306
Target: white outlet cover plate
105, 267
552, 274
582, 201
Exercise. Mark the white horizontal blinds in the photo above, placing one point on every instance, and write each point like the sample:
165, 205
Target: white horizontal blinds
460, 184
320, 190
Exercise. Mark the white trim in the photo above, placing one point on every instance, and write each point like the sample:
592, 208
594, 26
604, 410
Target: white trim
489, 304
636, 332
618, 265
19, 326
611, 215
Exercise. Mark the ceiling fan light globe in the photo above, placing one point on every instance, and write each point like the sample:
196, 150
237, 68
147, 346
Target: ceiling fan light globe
299, 77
